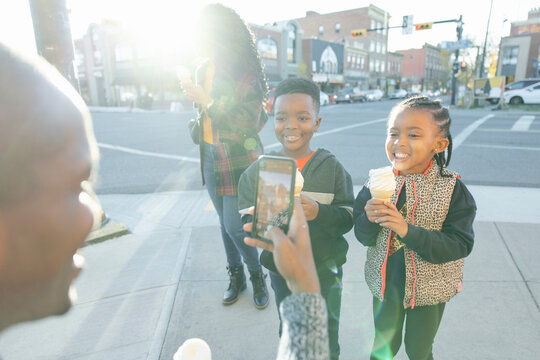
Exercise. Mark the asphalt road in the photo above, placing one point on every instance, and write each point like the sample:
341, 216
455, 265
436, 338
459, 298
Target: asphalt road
152, 152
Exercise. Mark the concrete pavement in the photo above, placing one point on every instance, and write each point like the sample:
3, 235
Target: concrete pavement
143, 294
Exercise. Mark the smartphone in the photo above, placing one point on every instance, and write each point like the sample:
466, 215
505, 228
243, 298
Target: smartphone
274, 199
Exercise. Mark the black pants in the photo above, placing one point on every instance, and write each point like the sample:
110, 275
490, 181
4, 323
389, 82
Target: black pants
331, 289
420, 329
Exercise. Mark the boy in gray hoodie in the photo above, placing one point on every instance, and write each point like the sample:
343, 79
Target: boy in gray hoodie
327, 196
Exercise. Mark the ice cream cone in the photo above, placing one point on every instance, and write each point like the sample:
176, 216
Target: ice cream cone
298, 183
382, 183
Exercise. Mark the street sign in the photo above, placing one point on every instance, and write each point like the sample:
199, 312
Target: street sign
358, 33
407, 25
455, 45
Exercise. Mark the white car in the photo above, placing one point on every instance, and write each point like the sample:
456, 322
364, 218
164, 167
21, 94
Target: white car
374, 95
325, 99
398, 94
527, 95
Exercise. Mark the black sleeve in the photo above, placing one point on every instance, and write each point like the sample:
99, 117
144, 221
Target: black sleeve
456, 238
338, 214
364, 230
246, 191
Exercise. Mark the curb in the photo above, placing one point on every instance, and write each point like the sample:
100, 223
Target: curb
112, 229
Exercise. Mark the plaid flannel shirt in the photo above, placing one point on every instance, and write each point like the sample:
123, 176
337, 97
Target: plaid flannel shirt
237, 116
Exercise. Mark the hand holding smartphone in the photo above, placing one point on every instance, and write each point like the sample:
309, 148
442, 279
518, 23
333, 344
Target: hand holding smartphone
274, 199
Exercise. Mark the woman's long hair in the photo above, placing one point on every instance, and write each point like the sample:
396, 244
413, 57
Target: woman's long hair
228, 40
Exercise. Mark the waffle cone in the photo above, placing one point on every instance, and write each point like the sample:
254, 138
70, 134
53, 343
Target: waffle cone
380, 194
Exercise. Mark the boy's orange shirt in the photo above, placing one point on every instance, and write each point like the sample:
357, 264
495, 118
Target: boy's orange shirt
300, 163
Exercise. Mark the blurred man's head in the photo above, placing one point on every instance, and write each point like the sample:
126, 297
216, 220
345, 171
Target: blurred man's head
47, 149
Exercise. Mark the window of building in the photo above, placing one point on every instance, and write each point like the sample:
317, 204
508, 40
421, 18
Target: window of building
378, 47
362, 63
123, 52
291, 44
267, 48
321, 30
372, 24
371, 65
338, 28
372, 46
313, 66
382, 66
383, 50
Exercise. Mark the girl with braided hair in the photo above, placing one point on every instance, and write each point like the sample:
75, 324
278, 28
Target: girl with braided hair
418, 240
229, 92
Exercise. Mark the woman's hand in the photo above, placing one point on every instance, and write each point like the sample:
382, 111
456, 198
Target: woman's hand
292, 253
196, 93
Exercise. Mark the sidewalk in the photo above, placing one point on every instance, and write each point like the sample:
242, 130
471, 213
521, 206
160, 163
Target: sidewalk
143, 294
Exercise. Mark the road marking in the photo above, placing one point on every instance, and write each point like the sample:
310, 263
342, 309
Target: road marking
507, 130
523, 123
503, 147
343, 128
209, 206
462, 136
147, 153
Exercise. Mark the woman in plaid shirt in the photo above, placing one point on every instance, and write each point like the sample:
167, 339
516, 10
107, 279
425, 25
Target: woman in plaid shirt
229, 92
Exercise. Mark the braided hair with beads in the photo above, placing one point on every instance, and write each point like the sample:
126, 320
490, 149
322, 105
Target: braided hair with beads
441, 117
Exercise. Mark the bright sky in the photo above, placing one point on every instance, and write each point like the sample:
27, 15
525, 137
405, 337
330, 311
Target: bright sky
166, 16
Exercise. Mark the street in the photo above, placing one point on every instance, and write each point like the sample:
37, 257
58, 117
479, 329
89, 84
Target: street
152, 152
141, 295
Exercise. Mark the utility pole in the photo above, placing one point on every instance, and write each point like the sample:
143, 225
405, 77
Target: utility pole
53, 36
485, 42
455, 67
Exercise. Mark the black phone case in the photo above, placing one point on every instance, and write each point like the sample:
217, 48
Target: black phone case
285, 227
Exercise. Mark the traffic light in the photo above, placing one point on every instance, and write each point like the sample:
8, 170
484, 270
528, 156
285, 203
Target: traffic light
358, 33
463, 66
455, 67
424, 26
459, 31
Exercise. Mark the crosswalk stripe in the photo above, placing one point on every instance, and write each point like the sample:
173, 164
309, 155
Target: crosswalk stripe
462, 136
523, 123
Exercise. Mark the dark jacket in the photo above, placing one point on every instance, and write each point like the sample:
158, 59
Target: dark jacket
237, 116
328, 183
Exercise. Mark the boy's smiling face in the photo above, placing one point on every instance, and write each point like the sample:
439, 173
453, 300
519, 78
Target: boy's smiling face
295, 121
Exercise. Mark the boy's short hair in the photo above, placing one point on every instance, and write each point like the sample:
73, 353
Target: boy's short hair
299, 86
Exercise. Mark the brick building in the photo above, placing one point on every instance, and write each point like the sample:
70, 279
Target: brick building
393, 70
519, 53
280, 48
365, 57
422, 69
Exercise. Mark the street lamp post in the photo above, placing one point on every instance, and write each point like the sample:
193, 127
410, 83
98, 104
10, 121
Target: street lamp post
481, 72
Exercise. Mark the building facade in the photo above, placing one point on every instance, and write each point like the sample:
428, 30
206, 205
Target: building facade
280, 48
519, 53
365, 57
422, 69
324, 61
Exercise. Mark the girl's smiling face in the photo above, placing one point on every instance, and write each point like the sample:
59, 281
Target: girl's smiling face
413, 138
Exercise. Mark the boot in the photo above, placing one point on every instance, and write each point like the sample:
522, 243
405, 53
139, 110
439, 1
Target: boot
237, 284
260, 293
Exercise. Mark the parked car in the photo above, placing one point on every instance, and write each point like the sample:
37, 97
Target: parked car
427, 93
528, 95
325, 99
398, 94
495, 93
349, 95
374, 95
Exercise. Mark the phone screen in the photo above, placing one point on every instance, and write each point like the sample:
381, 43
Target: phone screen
275, 194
